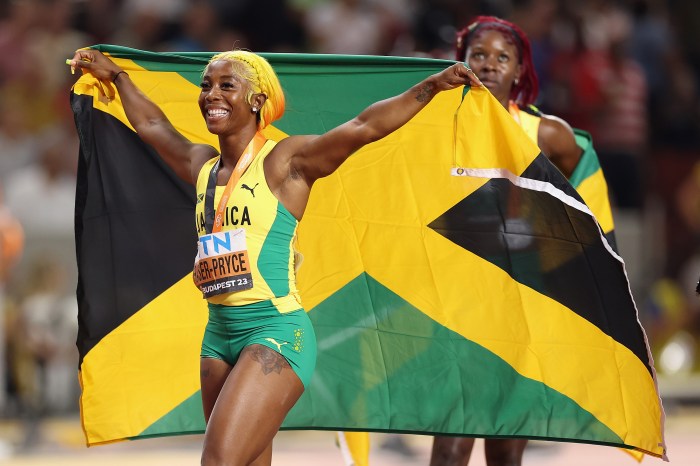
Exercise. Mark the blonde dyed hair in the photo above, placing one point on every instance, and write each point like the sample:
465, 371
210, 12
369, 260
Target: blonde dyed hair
261, 78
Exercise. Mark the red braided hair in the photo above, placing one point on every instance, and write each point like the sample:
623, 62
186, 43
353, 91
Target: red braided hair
526, 90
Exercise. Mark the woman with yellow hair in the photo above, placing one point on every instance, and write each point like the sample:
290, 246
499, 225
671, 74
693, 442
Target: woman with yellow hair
259, 349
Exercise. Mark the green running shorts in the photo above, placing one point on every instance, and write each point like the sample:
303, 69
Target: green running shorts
232, 328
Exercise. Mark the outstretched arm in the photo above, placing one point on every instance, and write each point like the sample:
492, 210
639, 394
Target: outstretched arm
149, 121
321, 156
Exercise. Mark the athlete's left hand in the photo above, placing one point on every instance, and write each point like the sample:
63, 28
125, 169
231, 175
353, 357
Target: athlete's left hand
456, 75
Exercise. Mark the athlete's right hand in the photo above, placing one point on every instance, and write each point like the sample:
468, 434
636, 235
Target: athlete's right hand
94, 62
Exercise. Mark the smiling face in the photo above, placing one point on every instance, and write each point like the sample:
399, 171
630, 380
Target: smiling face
494, 59
223, 99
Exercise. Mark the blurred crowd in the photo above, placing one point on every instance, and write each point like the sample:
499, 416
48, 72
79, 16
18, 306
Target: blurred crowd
627, 71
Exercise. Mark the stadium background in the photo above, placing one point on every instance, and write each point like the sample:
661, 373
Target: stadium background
600, 63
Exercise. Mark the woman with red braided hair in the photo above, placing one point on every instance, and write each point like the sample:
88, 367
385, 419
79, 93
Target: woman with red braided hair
259, 348
499, 53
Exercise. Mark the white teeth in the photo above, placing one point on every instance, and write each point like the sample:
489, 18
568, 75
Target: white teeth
216, 112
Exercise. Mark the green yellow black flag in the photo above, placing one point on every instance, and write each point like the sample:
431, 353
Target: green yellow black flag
589, 181
457, 282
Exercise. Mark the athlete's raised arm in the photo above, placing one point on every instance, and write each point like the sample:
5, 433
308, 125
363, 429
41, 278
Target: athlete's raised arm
149, 121
322, 155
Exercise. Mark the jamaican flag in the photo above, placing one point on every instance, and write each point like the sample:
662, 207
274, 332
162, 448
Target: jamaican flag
589, 181
457, 282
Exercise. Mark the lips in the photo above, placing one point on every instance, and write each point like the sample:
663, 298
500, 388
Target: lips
489, 84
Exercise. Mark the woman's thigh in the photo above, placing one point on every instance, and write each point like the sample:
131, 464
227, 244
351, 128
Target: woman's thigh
212, 376
251, 405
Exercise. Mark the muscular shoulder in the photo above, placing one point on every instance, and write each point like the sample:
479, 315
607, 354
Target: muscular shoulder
289, 146
199, 154
279, 164
202, 152
553, 128
556, 139
284, 177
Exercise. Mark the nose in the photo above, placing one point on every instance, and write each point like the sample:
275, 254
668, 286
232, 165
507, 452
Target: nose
481, 65
489, 63
212, 94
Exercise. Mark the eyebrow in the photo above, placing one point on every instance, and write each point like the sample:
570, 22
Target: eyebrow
228, 76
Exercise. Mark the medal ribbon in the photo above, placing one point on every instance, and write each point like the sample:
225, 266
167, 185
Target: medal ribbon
514, 110
215, 221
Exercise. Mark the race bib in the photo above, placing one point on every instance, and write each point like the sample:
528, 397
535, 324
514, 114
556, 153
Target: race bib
221, 265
